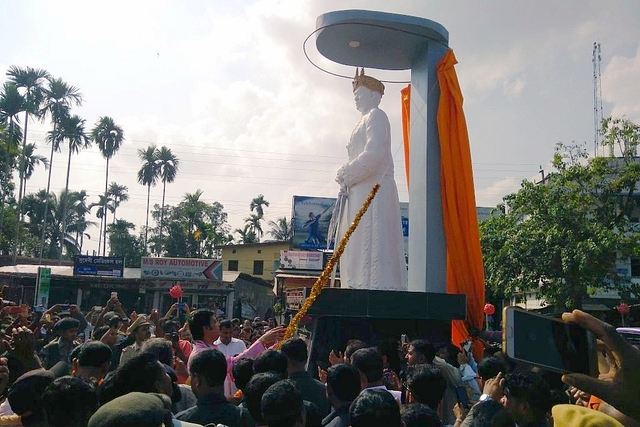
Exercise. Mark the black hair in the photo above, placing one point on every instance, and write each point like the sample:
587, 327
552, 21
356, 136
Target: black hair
93, 354
210, 364
419, 415
199, 320
254, 390
282, 405
235, 321
271, 360
344, 382
427, 384
375, 407
169, 325
425, 349
98, 333
139, 373
295, 349
531, 388
490, 413
70, 401
242, 372
353, 346
226, 324
489, 367
369, 362
161, 348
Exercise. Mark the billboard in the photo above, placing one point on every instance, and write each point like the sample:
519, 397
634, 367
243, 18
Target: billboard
181, 269
85, 265
311, 218
294, 298
43, 284
301, 260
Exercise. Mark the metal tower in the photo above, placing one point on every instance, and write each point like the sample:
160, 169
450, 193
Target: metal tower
597, 99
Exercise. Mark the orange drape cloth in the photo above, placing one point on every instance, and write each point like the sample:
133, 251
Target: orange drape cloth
406, 126
465, 272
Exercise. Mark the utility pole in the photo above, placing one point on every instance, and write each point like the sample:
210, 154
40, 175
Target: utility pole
597, 99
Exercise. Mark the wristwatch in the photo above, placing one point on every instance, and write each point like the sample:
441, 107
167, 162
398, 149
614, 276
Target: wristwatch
484, 397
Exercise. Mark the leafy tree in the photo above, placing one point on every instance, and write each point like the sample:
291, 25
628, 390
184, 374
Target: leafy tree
148, 175
125, 244
109, 137
31, 82
281, 229
168, 165
564, 237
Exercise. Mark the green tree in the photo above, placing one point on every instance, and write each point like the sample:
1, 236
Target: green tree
562, 238
246, 234
281, 229
59, 97
148, 175
257, 204
104, 205
118, 193
168, 165
109, 138
31, 82
31, 160
73, 131
123, 243
253, 222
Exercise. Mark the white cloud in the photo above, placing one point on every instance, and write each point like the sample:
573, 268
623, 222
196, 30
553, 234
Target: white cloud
621, 86
513, 87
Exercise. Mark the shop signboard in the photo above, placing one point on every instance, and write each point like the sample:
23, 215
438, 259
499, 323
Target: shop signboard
181, 269
294, 298
86, 265
301, 260
43, 284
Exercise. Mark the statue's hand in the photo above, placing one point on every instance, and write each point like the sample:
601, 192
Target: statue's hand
340, 176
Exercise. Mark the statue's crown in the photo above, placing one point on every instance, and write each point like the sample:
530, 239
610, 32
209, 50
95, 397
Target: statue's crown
368, 82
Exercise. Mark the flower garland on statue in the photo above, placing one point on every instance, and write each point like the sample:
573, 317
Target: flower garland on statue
321, 282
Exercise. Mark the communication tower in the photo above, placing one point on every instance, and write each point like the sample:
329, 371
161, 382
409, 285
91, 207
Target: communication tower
597, 99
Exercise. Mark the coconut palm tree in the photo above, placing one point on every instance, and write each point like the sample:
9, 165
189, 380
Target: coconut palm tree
59, 98
73, 131
109, 138
253, 222
148, 175
257, 204
31, 160
168, 165
31, 81
246, 234
118, 193
281, 229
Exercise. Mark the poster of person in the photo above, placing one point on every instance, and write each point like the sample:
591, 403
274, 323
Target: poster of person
311, 218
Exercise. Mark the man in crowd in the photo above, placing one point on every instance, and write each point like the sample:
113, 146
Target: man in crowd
369, 362
60, 348
140, 331
70, 402
311, 389
282, 406
375, 407
343, 386
93, 361
527, 398
426, 385
230, 347
208, 372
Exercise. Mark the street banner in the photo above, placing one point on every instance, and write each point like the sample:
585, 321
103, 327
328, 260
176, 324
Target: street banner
86, 265
181, 269
301, 260
311, 218
43, 284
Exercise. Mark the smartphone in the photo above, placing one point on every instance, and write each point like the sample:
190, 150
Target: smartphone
114, 295
404, 339
547, 342
64, 306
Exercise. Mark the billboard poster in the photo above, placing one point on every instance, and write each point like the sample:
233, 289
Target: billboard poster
86, 265
311, 218
181, 269
294, 298
301, 260
43, 284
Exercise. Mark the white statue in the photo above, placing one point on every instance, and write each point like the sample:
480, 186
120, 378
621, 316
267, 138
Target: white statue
374, 256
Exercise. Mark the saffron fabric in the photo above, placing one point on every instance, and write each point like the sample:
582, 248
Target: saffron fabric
406, 126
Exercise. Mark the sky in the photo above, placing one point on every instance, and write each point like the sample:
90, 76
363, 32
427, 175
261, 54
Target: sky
227, 87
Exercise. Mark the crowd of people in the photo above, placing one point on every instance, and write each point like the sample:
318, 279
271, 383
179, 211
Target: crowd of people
107, 368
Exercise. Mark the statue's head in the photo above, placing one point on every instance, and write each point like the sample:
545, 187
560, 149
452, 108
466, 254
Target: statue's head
367, 91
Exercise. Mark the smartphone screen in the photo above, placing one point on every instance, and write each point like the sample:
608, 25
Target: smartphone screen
547, 342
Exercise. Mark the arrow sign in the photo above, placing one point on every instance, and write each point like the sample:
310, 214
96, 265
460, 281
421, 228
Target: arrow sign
214, 271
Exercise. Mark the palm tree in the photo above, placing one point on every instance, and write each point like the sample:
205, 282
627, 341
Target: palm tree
73, 131
118, 193
257, 204
246, 234
168, 165
109, 138
104, 205
253, 223
31, 81
148, 175
79, 211
11, 104
31, 160
281, 229
59, 97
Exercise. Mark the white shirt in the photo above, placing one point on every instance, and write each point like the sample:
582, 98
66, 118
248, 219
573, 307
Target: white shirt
397, 395
234, 348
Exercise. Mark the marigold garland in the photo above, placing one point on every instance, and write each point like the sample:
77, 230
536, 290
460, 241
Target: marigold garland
321, 282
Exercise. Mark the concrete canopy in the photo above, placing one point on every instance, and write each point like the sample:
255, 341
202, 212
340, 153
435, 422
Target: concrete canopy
376, 39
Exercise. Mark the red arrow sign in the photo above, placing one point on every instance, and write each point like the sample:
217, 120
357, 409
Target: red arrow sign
214, 271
